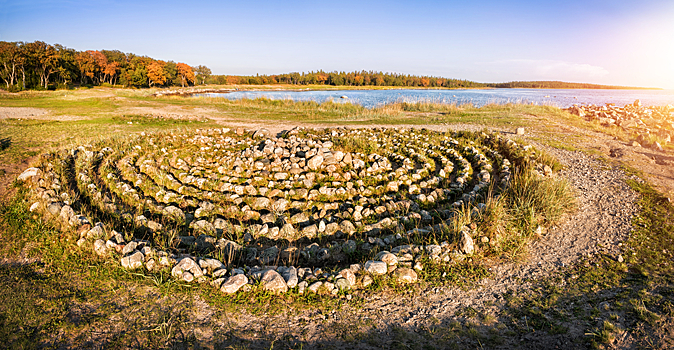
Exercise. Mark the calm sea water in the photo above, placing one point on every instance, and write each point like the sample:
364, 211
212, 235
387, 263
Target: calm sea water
554, 97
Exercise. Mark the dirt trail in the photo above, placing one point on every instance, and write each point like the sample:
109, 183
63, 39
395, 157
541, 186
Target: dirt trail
35, 113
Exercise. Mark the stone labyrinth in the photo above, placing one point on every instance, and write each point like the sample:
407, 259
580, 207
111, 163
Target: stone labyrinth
310, 211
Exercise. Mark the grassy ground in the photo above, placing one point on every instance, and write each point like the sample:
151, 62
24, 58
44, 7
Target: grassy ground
52, 294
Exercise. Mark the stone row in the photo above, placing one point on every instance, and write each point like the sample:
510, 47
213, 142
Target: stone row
127, 183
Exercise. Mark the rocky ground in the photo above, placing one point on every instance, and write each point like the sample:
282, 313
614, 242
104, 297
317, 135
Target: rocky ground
601, 223
387, 320
606, 206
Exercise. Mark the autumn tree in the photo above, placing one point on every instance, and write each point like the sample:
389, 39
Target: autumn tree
86, 65
66, 68
321, 78
110, 70
202, 73
186, 74
10, 56
100, 64
45, 60
155, 73
117, 62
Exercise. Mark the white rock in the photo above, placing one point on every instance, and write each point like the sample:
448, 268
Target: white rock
133, 261
34, 207
315, 162
376, 267
348, 276
314, 286
233, 284
406, 275
100, 247
29, 174
186, 264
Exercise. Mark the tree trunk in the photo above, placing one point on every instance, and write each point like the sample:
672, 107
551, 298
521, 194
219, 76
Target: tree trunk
6, 80
13, 74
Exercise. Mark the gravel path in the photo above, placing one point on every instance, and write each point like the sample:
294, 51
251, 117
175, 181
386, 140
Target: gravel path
35, 113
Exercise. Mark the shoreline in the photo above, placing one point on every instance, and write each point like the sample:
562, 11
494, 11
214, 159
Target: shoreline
289, 88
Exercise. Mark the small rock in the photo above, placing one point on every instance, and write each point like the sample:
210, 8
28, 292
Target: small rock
315, 162
342, 284
314, 286
289, 275
233, 284
347, 227
34, 207
100, 247
302, 286
187, 277
367, 280
329, 286
387, 257
466, 243
186, 264
133, 261
376, 267
130, 247
273, 282
405, 275
29, 174
349, 276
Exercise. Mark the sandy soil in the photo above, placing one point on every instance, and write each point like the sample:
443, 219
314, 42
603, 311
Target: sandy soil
35, 113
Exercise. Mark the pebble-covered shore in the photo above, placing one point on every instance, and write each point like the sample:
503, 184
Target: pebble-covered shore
652, 125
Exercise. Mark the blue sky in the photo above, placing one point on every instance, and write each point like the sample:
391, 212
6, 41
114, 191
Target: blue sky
606, 42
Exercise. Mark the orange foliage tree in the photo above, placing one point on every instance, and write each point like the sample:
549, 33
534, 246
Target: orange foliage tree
111, 70
86, 64
155, 73
186, 74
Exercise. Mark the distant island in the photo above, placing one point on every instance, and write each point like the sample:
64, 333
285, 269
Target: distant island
41, 66
370, 78
562, 85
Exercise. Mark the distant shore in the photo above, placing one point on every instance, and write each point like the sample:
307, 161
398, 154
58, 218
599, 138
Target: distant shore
294, 88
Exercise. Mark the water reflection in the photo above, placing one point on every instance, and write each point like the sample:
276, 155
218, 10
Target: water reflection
555, 97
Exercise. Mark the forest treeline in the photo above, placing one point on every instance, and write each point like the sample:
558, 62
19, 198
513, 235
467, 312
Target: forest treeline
362, 78
38, 65
556, 85
370, 78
